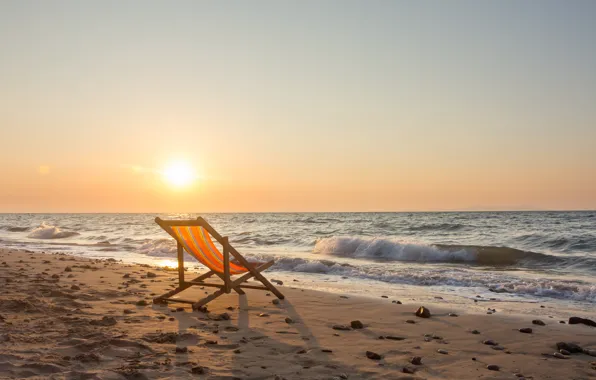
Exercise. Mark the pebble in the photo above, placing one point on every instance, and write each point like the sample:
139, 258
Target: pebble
263, 315
68, 269
565, 352
490, 342
423, 312
397, 302
408, 370
198, 370
525, 330
476, 332
538, 322
411, 321
151, 275
453, 315
571, 347
341, 327
141, 303
373, 355
181, 350
559, 355
75, 287
416, 360
492, 367
275, 301
289, 320
356, 324
441, 351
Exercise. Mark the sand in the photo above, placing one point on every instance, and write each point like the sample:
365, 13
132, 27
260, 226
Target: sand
65, 317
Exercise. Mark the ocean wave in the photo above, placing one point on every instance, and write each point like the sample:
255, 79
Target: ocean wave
396, 250
553, 288
47, 231
159, 248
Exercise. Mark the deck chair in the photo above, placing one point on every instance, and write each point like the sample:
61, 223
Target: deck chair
194, 237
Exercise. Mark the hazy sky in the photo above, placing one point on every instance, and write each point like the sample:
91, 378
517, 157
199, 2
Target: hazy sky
298, 106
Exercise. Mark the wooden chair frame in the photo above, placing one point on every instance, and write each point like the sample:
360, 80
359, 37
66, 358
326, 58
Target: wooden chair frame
229, 284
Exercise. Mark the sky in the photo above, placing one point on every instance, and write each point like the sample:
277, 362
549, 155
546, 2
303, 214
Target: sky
297, 105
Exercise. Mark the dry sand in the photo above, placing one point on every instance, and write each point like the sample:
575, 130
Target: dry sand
85, 323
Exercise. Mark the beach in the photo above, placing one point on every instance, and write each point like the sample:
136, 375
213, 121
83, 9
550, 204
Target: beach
63, 316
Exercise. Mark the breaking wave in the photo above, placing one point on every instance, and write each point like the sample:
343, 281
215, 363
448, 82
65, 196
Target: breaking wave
396, 250
46, 231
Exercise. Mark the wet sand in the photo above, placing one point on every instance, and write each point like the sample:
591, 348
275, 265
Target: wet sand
65, 317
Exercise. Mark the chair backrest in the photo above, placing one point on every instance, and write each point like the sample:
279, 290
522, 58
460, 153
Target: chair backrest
197, 242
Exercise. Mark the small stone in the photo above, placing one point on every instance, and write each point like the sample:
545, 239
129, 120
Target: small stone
571, 347
476, 332
559, 355
408, 370
263, 315
198, 370
453, 315
326, 350
341, 327
127, 311
525, 330
538, 322
391, 337
384, 297
373, 355
289, 320
151, 275
179, 309
75, 287
492, 367
416, 360
141, 303
55, 276
441, 351
181, 350
278, 282
490, 342
565, 352
275, 301
171, 319
396, 302
68, 269
356, 324
423, 312
575, 321
210, 342
411, 321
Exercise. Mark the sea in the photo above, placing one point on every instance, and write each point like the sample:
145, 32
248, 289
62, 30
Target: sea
521, 256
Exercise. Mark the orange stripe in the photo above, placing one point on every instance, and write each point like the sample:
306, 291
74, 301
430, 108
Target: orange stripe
210, 255
197, 251
233, 267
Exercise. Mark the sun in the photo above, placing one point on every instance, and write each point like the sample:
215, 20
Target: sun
179, 174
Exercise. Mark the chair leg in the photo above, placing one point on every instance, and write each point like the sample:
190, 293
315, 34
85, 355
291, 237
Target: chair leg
257, 273
182, 287
206, 300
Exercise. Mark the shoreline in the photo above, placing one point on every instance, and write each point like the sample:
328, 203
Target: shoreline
86, 322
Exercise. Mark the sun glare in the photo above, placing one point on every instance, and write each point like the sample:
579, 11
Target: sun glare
179, 174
